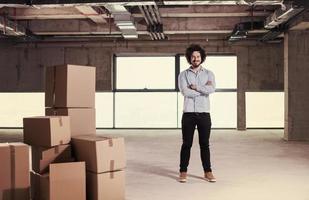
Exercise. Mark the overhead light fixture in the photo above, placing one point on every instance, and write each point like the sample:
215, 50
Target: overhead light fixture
130, 36
126, 27
124, 23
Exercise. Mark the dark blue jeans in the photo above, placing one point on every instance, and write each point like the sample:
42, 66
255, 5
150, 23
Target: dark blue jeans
203, 123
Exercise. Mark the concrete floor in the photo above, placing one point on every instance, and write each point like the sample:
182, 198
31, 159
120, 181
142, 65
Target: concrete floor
249, 165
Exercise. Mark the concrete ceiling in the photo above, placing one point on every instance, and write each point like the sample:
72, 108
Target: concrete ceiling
148, 20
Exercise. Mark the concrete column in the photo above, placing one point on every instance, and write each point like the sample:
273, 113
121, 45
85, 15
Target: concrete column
241, 110
296, 81
242, 84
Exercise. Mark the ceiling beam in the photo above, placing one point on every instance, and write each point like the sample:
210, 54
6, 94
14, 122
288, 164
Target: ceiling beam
301, 22
206, 15
92, 14
60, 3
170, 26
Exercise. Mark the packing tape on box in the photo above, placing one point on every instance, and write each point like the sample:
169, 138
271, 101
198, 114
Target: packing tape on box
110, 140
57, 149
111, 165
12, 157
111, 175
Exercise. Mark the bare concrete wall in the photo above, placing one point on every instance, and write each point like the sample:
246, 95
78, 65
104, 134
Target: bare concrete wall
22, 67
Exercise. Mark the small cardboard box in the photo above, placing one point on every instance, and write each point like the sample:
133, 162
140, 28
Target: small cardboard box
109, 185
42, 157
63, 182
82, 119
47, 131
70, 86
101, 154
14, 171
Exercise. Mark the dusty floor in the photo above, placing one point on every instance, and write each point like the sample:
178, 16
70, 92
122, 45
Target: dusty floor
249, 165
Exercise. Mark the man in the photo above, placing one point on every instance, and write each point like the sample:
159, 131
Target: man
195, 84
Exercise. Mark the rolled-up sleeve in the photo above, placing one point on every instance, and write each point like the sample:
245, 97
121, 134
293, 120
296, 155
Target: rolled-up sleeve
208, 89
183, 87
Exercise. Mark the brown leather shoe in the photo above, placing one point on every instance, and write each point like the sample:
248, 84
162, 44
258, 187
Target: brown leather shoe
209, 177
182, 177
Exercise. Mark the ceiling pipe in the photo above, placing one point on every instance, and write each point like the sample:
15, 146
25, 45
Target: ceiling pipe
147, 21
152, 21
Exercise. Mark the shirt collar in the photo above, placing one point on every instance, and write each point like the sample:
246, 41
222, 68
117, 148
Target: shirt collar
201, 68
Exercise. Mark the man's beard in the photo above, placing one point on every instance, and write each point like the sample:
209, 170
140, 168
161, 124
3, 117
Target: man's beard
195, 65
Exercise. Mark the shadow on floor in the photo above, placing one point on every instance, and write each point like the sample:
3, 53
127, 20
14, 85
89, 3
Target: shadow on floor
157, 170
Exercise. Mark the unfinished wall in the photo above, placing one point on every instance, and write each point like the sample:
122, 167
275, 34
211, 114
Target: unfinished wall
22, 67
260, 67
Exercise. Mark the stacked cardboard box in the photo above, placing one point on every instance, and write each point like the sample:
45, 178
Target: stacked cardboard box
70, 91
54, 176
105, 163
14, 171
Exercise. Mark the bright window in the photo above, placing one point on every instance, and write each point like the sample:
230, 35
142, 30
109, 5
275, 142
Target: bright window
265, 109
145, 72
104, 109
146, 110
15, 106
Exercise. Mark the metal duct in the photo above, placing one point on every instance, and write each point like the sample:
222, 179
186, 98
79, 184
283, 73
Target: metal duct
9, 27
123, 20
280, 16
240, 30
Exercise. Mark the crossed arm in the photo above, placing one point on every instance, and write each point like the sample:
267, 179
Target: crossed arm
192, 90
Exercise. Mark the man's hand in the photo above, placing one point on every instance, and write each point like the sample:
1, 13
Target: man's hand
192, 87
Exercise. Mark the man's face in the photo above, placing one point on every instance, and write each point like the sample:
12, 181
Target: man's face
196, 59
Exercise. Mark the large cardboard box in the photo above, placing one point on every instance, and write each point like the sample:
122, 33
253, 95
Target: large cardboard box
101, 154
47, 131
70, 86
106, 186
82, 119
42, 157
63, 182
14, 171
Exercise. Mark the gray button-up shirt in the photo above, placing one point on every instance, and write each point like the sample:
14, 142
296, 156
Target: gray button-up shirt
196, 100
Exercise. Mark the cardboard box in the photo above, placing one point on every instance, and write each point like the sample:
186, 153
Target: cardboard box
47, 131
42, 157
14, 171
82, 120
101, 154
64, 181
109, 186
70, 86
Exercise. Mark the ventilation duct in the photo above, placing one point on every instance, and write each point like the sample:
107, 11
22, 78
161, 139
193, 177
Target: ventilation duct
123, 20
279, 16
240, 30
11, 28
